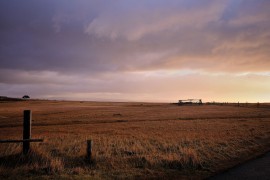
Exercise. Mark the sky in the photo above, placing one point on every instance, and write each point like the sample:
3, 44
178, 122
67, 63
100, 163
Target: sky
130, 50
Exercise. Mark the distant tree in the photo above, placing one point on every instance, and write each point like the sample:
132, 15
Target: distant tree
26, 97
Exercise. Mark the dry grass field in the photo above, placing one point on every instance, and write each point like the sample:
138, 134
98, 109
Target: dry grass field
131, 140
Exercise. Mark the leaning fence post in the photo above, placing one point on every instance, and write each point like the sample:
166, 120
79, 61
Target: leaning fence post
27, 118
89, 150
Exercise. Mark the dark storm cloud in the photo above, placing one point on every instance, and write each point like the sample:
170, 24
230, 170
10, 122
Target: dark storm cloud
46, 35
71, 36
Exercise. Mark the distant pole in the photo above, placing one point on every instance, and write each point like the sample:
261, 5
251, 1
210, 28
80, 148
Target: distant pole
89, 150
27, 118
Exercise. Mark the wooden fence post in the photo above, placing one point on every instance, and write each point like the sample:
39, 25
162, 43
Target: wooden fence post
89, 150
27, 118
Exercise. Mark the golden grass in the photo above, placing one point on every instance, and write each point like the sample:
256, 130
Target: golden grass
131, 140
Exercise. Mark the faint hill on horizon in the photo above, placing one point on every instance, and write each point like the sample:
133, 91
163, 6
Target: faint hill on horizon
5, 98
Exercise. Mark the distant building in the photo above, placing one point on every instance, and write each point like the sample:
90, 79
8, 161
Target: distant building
26, 97
190, 101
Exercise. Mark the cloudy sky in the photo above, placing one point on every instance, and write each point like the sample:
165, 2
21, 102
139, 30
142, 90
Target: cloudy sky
130, 50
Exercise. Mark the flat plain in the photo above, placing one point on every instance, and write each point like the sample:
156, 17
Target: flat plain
131, 140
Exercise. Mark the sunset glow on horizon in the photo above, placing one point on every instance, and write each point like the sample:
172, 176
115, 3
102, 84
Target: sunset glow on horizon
128, 50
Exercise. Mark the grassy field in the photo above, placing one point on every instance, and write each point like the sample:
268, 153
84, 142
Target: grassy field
131, 140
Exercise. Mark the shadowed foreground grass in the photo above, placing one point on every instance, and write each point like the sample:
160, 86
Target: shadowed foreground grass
131, 140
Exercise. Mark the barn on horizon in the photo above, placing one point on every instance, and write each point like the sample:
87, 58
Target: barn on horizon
189, 102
